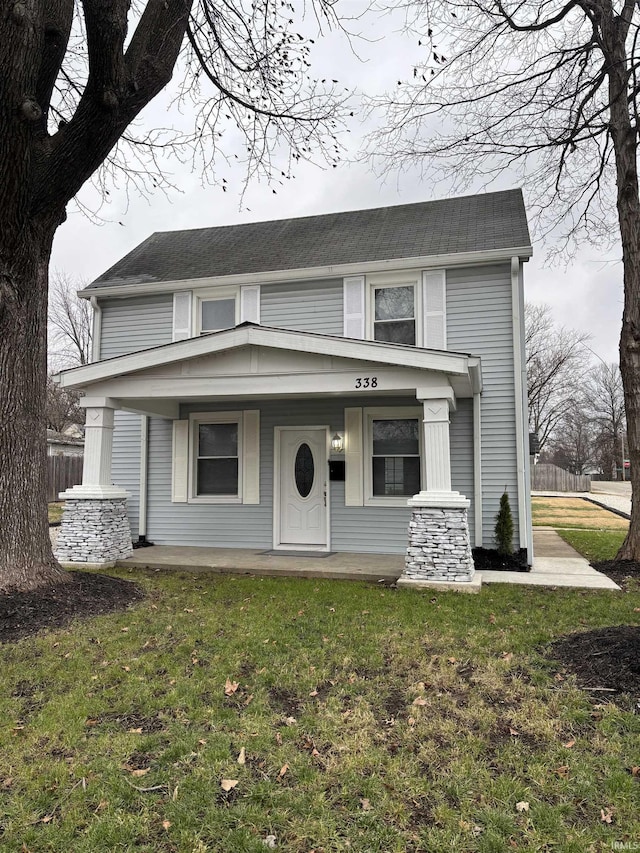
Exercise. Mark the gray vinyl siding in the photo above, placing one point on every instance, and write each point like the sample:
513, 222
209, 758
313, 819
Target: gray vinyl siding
129, 325
461, 448
479, 321
365, 529
125, 466
315, 306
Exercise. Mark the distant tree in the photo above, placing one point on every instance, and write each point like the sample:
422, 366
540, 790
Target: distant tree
70, 323
605, 398
555, 365
74, 77
572, 445
62, 409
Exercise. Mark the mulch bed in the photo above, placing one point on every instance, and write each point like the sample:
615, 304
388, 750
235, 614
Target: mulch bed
489, 558
619, 570
25, 613
607, 658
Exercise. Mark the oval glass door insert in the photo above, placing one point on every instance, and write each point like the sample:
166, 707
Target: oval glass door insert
304, 470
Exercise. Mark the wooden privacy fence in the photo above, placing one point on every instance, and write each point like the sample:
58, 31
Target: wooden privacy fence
549, 478
63, 472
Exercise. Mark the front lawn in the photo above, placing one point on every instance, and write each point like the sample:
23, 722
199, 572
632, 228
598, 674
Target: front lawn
596, 546
332, 716
55, 509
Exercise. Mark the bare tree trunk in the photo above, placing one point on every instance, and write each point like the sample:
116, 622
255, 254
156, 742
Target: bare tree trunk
26, 558
625, 145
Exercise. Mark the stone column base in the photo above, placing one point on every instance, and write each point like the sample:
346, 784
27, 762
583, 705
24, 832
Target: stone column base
439, 549
94, 532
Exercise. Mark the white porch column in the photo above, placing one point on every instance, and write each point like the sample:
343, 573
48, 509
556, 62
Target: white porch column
95, 529
439, 548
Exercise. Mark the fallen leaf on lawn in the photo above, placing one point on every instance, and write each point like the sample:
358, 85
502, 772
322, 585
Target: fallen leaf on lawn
283, 770
569, 744
127, 668
188, 609
91, 722
142, 771
202, 742
134, 731
492, 619
514, 732
420, 702
477, 830
166, 824
279, 738
228, 784
507, 656
124, 630
242, 757
606, 815
411, 721
522, 806
290, 721
194, 661
563, 770
452, 660
248, 700
315, 752
366, 805
332, 610
270, 842
230, 687
635, 771
47, 818
313, 693
8, 782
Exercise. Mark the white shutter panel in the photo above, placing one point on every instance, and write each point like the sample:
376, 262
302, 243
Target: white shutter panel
353, 290
250, 303
182, 315
180, 462
434, 303
354, 471
251, 457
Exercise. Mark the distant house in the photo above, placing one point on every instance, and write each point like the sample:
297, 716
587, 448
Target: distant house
68, 443
352, 382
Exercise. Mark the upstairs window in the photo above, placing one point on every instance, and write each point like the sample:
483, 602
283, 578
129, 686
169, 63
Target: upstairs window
394, 314
217, 314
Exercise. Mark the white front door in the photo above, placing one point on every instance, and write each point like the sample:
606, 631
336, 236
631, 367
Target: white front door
303, 488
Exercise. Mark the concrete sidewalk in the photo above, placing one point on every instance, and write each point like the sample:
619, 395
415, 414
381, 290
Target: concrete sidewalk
555, 564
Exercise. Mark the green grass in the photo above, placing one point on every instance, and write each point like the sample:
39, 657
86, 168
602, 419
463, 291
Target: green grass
55, 511
372, 720
594, 545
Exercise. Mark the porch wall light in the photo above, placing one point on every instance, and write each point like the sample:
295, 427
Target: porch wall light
337, 443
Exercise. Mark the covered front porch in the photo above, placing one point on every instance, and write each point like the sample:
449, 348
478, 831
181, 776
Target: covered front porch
557, 565
331, 444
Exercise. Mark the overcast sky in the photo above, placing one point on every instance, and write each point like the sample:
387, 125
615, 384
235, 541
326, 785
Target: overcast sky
585, 293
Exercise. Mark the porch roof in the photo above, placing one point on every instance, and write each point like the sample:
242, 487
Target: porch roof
284, 363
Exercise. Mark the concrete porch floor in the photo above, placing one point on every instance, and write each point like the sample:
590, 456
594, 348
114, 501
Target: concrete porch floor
556, 564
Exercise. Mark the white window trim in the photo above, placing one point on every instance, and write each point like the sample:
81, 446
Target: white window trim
195, 420
401, 279
210, 295
371, 414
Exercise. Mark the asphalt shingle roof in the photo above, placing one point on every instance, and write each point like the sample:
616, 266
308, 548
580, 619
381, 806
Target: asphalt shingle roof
465, 224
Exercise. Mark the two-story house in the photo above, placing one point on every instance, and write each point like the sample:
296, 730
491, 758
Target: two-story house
353, 381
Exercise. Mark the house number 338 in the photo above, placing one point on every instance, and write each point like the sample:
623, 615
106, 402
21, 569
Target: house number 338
367, 382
